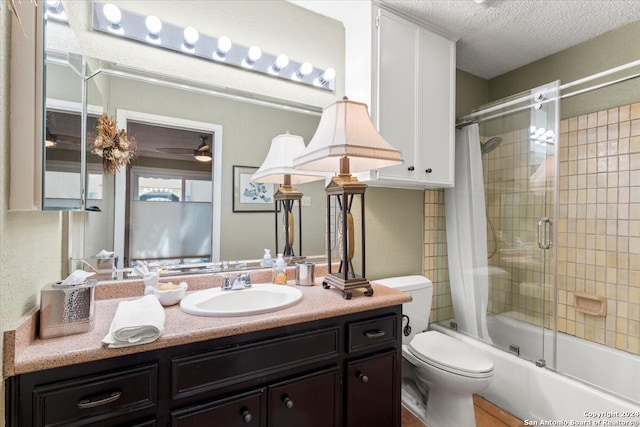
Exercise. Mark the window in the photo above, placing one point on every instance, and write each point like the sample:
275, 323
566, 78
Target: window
163, 186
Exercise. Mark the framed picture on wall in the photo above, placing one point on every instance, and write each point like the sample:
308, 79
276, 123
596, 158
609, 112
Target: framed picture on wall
249, 196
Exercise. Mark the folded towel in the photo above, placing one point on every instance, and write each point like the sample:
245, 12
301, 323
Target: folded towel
139, 321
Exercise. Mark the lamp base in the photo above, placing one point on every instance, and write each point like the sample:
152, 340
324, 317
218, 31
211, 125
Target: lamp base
337, 280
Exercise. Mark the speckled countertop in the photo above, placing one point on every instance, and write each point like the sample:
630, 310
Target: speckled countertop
25, 352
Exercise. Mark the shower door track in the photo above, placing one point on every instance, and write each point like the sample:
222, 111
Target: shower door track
484, 114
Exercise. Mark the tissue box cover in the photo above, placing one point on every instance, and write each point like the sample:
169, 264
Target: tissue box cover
66, 310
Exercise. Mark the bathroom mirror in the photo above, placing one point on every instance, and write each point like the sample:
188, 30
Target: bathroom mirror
250, 111
63, 98
167, 122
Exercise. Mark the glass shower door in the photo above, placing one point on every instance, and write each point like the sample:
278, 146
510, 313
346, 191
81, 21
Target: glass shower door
519, 171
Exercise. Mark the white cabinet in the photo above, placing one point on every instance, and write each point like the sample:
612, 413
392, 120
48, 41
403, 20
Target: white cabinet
413, 102
396, 102
436, 110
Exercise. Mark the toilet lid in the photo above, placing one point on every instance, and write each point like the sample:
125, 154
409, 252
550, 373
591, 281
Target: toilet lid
450, 354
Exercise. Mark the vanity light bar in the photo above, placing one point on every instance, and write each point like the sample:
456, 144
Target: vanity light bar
152, 31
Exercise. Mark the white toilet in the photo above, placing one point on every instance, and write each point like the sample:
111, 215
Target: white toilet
440, 374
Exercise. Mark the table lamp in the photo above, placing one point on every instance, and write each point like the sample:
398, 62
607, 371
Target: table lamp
344, 142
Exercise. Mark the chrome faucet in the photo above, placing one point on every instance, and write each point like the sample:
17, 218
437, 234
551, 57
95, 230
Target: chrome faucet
241, 281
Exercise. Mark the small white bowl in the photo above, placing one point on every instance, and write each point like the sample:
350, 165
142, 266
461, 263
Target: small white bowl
168, 297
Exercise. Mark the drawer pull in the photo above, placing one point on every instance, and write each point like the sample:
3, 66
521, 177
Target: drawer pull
246, 416
411, 168
287, 402
362, 377
89, 403
378, 333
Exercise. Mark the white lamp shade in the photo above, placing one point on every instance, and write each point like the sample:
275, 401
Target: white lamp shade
346, 130
278, 163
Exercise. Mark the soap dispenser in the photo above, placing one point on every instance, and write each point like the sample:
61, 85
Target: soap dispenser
267, 261
279, 271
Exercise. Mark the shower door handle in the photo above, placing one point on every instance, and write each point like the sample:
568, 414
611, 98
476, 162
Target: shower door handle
542, 243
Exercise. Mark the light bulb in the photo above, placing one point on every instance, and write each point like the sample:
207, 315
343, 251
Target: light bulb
191, 36
328, 75
224, 45
549, 135
113, 14
281, 61
253, 55
154, 25
304, 70
55, 10
54, 6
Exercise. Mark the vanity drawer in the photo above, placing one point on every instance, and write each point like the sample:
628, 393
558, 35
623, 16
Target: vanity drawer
365, 335
93, 399
244, 410
208, 371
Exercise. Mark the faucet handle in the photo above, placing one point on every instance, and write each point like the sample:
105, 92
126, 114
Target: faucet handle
227, 284
247, 280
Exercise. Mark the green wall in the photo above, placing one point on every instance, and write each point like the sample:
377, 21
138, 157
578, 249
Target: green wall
394, 227
609, 50
246, 137
471, 92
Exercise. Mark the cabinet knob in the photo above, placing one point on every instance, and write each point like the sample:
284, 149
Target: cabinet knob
362, 377
411, 168
429, 170
246, 416
287, 402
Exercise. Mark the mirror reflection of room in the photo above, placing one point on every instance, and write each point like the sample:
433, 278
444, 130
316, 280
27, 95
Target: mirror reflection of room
168, 183
122, 77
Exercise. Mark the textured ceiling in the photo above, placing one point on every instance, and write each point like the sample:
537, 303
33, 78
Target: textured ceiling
503, 35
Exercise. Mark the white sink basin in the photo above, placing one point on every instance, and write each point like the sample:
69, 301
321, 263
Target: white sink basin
257, 299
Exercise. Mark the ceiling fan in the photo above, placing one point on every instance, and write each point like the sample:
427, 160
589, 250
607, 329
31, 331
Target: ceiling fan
67, 142
203, 150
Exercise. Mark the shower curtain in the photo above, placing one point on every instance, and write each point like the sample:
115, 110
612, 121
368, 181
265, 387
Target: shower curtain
467, 236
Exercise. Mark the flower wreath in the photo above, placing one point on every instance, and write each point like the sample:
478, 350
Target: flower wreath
113, 145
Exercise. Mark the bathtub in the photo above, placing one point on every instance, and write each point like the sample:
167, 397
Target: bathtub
536, 394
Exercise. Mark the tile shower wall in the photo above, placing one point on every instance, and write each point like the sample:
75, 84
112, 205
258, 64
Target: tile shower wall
435, 255
598, 247
599, 225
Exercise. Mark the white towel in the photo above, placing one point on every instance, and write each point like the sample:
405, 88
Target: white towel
139, 321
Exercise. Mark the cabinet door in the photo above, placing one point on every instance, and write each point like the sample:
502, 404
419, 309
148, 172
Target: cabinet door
309, 401
241, 411
396, 86
436, 113
373, 391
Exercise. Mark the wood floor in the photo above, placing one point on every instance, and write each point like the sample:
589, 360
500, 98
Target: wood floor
487, 415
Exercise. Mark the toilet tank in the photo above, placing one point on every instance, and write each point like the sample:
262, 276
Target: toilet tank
418, 310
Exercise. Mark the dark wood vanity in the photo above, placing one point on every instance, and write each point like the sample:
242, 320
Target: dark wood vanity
336, 371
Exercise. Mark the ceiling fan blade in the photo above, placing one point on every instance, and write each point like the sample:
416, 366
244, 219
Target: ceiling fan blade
64, 138
174, 150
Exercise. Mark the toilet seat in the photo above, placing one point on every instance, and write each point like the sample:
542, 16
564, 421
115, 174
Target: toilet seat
450, 354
